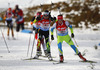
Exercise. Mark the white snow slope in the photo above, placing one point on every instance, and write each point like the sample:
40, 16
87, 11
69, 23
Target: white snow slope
86, 40
25, 3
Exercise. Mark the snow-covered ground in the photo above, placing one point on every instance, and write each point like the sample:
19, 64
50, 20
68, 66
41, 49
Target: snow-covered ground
85, 38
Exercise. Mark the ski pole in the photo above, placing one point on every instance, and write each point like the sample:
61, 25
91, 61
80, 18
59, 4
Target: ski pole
51, 6
8, 4
41, 7
33, 45
50, 42
5, 42
59, 10
28, 45
75, 42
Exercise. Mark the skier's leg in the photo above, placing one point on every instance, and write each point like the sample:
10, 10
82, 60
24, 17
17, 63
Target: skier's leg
8, 32
38, 44
11, 26
70, 42
8, 27
18, 27
38, 47
59, 43
43, 44
47, 42
12, 32
22, 26
46, 35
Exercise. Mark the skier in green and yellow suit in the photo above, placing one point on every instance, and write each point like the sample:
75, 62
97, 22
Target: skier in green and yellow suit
62, 35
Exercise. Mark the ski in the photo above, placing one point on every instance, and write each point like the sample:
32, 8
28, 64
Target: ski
47, 57
89, 61
39, 59
32, 59
11, 38
59, 63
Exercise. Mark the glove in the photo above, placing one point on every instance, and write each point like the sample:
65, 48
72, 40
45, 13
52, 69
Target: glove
38, 18
52, 38
54, 18
72, 35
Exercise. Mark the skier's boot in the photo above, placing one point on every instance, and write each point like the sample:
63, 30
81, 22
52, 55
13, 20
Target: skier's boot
49, 57
39, 53
46, 53
36, 56
80, 55
61, 59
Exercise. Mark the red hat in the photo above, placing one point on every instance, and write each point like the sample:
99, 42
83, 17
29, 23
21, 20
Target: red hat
9, 9
39, 13
60, 17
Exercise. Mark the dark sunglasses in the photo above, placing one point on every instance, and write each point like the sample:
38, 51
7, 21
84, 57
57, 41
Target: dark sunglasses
46, 15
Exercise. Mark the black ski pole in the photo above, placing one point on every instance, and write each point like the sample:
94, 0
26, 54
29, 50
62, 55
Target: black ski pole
51, 6
5, 42
41, 7
59, 10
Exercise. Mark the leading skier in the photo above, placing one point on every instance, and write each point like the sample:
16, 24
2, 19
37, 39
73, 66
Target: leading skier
62, 35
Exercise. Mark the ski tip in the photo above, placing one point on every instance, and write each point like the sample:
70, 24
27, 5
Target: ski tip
59, 63
89, 61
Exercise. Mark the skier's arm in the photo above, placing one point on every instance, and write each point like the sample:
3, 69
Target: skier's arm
71, 28
53, 27
33, 19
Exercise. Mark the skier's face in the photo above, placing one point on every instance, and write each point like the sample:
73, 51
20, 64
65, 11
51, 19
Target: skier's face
46, 16
17, 11
9, 11
60, 21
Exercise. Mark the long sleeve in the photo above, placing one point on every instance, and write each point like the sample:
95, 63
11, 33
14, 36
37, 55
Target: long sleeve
70, 26
53, 27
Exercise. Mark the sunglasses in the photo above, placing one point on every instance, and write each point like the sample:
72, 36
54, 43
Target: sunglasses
46, 15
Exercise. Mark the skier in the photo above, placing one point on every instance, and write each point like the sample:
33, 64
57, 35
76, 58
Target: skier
62, 35
8, 18
37, 21
44, 31
18, 14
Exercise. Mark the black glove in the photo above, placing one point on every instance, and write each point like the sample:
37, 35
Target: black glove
34, 28
72, 35
38, 18
54, 18
33, 19
52, 38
